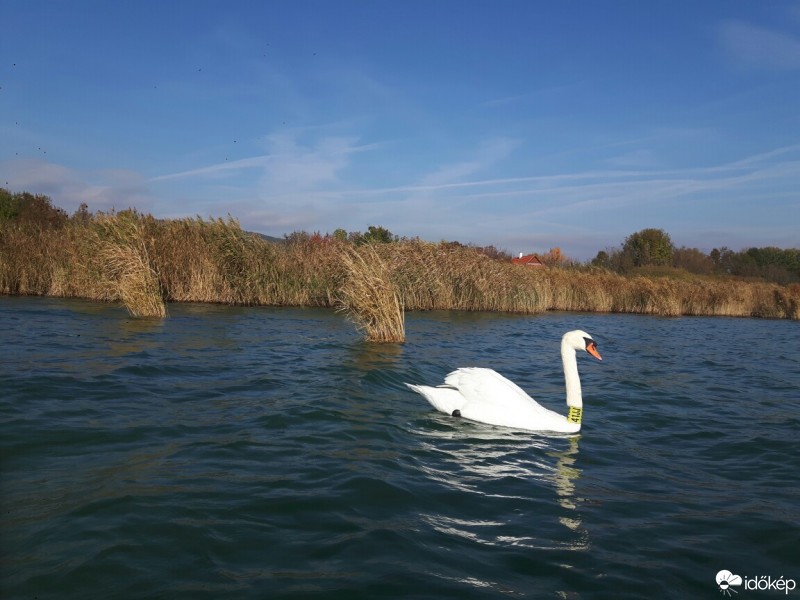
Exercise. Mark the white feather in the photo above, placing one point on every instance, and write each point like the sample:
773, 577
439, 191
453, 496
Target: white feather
486, 396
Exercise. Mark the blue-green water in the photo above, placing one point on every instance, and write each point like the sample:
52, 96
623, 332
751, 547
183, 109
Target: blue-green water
269, 453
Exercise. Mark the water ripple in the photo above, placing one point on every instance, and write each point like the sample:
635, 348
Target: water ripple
250, 453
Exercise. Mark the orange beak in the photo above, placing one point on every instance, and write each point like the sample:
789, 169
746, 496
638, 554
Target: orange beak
591, 348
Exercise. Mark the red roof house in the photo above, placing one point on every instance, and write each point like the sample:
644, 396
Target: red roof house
528, 260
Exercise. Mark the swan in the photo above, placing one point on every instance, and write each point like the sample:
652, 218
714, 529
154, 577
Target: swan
486, 396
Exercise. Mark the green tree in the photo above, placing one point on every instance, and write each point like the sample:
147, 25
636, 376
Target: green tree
722, 259
36, 210
602, 260
777, 257
377, 234
9, 205
649, 247
773, 264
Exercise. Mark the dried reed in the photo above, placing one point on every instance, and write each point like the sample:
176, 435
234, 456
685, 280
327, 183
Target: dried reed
146, 262
125, 263
368, 296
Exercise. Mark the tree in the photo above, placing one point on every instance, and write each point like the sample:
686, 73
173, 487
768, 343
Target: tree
554, 258
36, 210
602, 260
9, 205
377, 234
649, 247
771, 256
692, 260
723, 260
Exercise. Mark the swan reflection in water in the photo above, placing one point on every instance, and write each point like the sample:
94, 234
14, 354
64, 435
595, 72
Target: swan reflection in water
515, 488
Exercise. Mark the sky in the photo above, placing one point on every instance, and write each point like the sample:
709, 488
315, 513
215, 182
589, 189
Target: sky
523, 124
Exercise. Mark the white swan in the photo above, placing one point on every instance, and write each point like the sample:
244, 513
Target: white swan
486, 396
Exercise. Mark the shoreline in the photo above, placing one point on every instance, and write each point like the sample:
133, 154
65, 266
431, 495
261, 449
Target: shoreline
146, 263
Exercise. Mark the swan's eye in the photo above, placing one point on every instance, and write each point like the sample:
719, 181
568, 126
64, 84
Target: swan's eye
591, 348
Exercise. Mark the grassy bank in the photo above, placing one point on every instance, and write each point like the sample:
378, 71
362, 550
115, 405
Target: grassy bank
146, 263
435, 276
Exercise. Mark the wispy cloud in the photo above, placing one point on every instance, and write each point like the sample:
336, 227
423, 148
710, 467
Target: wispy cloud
288, 162
509, 208
531, 96
101, 190
640, 158
487, 155
303, 187
219, 168
759, 47
516, 186
302, 166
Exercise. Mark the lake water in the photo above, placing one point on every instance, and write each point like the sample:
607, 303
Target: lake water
270, 453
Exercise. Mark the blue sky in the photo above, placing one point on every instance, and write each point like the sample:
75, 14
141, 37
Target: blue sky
522, 124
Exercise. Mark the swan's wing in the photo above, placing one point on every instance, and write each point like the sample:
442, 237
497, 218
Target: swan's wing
443, 398
491, 398
486, 386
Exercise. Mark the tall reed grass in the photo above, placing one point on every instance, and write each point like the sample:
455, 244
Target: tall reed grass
368, 295
120, 249
145, 263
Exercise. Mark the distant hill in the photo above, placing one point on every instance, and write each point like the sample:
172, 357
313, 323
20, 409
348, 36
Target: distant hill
269, 238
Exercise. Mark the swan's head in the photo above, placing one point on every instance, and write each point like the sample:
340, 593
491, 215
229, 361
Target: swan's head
580, 340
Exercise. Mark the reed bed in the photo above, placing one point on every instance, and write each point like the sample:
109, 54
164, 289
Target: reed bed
368, 295
121, 256
146, 263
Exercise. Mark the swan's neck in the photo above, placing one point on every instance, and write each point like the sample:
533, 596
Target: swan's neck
574, 397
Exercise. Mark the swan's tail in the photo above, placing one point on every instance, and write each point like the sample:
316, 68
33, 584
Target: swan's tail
442, 398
